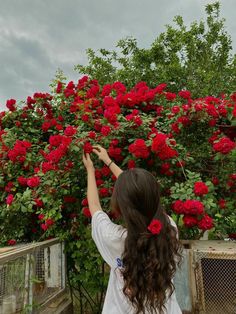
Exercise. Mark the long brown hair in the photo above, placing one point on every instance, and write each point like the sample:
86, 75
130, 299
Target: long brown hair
149, 260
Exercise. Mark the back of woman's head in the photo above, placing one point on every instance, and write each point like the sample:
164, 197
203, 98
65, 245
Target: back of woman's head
149, 260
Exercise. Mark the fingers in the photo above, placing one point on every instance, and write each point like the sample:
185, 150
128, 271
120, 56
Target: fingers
97, 147
97, 152
88, 157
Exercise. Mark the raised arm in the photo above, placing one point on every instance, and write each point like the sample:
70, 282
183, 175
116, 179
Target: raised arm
92, 191
103, 155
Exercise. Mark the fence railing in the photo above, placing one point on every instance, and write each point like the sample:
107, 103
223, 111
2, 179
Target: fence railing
30, 276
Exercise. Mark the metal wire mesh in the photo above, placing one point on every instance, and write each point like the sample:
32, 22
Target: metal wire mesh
31, 278
215, 274
12, 284
47, 272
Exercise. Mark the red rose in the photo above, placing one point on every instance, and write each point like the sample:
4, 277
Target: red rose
11, 242
106, 90
105, 171
59, 87
205, 223
165, 167
170, 96
119, 87
159, 89
49, 222
131, 164
55, 140
178, 207
88, 148
200, 188
215, 180
160, 147
139, 149
44, 227
155, 226
22, 181
47, 166
234, 111
55, 155
222, 203
10, 104
190, 221
212, 122
9, 199
104, 192
18, 124
38, 202
99, 182
185, 94
232, 176
115, 152
224, 145
41, 216
92, 134
84, 202
70, 131
45, 126
193, 207
105, 130
9, 187
33, 182
86, 212
175, 109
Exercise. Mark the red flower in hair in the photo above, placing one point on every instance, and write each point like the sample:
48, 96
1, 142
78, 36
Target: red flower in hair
155, 226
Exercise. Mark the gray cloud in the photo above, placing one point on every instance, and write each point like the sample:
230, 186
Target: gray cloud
38, 37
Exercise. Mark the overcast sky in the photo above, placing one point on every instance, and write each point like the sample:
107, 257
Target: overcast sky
39, 36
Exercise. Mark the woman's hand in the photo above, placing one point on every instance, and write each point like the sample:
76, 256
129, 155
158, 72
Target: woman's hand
102, 154
88, 162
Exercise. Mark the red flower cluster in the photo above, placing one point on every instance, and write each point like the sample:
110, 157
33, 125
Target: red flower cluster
48, 223
18, 152
200, 188
33, 182
206, 223
193, 211
189, 207
161, 148
224, 145
185, 94
139, 149
190, 221
10, 104
193, 207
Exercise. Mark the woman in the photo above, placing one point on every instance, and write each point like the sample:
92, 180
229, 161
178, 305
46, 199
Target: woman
144, 252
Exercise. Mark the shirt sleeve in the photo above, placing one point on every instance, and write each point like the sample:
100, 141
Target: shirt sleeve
107, 236
172, 222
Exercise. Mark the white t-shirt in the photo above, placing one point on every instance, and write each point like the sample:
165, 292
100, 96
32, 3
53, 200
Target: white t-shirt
109, 239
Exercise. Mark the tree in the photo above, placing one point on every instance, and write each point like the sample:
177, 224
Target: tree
199, 58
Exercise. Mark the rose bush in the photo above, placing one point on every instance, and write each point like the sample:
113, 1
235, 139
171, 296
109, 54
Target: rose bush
188, 144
